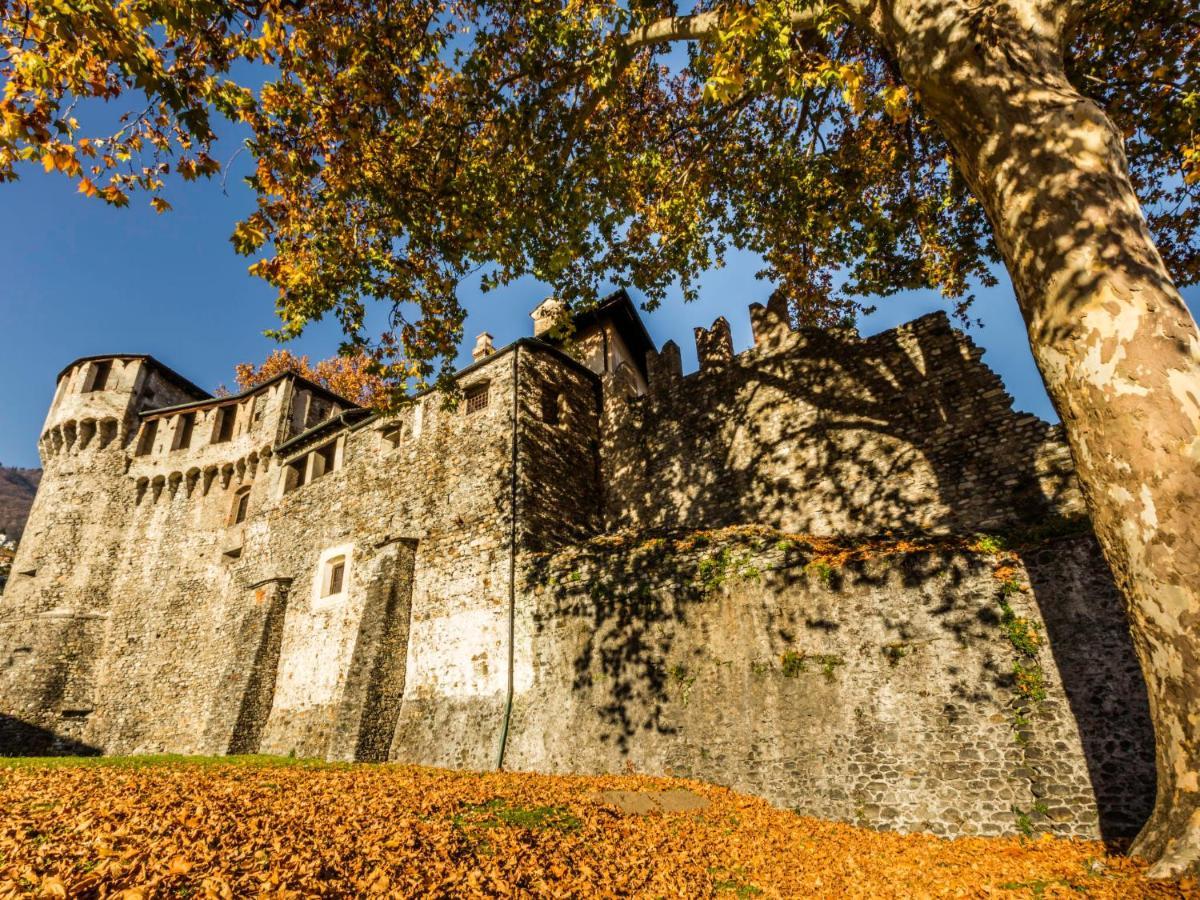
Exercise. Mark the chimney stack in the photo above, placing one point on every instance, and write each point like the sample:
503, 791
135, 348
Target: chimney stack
483, 347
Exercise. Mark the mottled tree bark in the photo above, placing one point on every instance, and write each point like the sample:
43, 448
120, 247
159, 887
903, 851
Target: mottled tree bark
1117, 348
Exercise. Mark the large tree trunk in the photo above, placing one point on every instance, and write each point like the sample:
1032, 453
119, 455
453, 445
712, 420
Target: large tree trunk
1117, 347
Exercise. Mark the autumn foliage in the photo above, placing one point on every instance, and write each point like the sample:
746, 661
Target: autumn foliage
353, 377
227, 829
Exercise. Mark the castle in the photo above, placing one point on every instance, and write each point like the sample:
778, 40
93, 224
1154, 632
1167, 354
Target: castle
592, 562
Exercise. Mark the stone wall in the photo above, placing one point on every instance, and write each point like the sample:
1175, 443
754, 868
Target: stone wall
828, 433
484, 553
879, 691
208, 635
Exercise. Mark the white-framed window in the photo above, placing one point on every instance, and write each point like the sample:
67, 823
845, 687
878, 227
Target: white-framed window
331, 581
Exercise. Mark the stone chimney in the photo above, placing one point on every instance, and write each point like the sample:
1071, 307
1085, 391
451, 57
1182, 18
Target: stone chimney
483, 347
546, 315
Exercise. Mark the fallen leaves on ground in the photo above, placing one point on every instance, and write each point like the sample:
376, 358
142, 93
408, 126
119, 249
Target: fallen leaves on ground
223, 830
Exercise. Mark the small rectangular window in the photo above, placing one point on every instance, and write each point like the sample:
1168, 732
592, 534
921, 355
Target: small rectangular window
391, 437
324, 459
316, 413
183, 431
98, 379
337, 573
477, 398
226, 419
551, 402
241, 505
293, 475
146, 441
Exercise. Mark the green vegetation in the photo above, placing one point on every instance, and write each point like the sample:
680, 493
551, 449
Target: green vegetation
990, 543
796, 662
1024, 822
713, 571
1024, 634
733, 880
500, 813
684, 680
895, 652
257, 761
793, 663
821, 570
1038, 888
1030, 681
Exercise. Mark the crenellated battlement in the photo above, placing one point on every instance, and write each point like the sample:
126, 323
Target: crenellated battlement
824, 431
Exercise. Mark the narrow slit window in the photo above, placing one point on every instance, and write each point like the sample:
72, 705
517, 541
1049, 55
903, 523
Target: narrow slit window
146, 441
552, 408
477, 398
241, 505
183, 431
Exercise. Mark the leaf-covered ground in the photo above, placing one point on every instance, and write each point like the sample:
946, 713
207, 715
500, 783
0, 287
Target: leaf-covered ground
253, 827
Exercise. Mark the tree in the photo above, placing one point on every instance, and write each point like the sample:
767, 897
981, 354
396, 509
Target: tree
861, 147
353, 377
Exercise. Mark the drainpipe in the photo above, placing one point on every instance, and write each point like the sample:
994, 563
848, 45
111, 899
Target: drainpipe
512, 561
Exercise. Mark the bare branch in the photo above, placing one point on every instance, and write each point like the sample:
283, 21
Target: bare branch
700, 25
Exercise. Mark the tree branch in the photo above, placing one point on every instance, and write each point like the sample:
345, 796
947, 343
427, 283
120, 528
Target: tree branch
675, 28
701, 25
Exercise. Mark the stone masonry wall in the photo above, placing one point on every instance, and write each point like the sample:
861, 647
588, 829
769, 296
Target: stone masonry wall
879, 691
828, 433
487, 548
202, 634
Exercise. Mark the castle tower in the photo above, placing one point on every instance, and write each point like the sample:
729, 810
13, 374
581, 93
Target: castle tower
57, 599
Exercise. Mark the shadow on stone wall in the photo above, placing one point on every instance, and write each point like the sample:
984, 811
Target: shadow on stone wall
1088, 635
19, 738
637, 598
860, 427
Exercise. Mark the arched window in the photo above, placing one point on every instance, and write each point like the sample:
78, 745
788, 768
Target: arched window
241, 505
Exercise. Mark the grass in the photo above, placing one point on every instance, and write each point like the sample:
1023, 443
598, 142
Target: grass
500, 812
256, 761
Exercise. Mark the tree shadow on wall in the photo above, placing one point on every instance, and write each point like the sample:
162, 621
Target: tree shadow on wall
631, 600
1088, 636
874, 436
18, 738
905, 433
637, 609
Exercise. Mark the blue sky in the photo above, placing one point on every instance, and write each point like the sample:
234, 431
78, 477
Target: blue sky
81, 278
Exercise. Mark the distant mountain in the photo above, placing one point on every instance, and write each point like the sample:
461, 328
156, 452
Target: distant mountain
17, 487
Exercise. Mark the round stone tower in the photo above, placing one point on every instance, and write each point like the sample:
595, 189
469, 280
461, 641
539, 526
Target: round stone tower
56, 603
